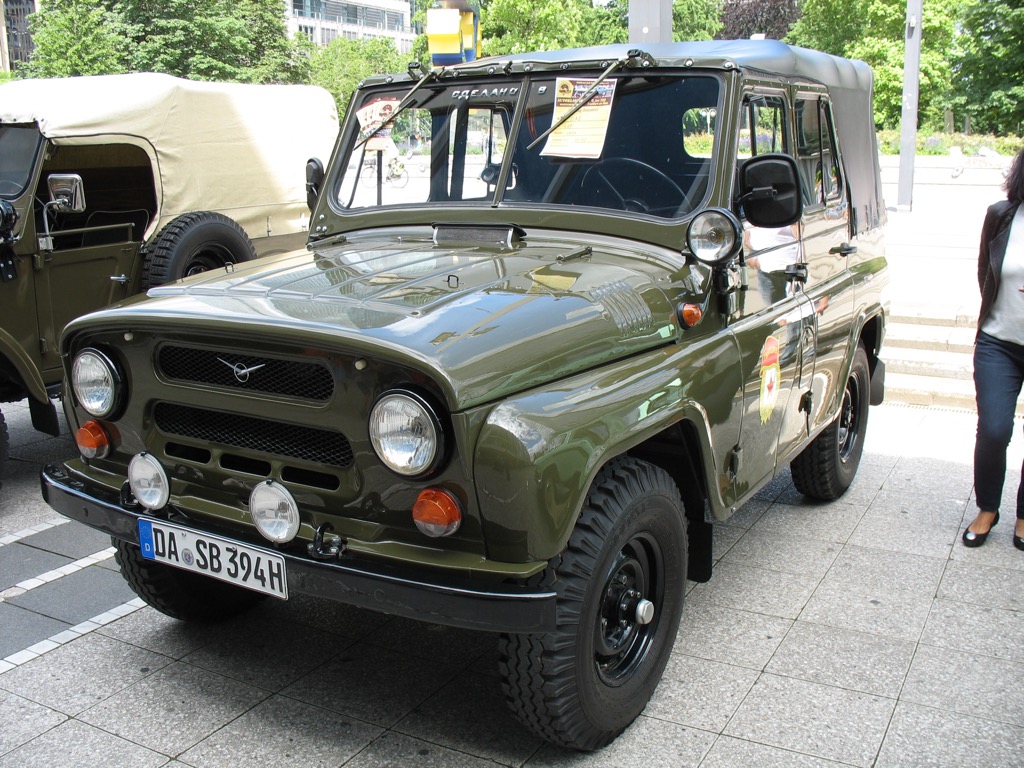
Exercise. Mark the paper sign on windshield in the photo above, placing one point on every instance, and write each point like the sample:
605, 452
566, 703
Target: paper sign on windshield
583, 134
371, 118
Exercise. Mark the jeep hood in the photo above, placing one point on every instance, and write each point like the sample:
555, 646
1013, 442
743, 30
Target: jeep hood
481, 320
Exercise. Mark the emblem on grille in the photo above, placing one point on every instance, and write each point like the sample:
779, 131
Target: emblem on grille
240, 371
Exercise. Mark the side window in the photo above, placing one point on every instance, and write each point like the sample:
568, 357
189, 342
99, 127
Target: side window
820, 177
768, 251
832, 181
700, 126
477, 140
763, 126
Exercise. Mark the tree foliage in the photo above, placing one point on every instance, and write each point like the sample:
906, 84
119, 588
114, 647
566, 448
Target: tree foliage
234, 40
340, 65
829, 25
874, 31
517, 26
74, 37
771, 18
696, 19
988, 79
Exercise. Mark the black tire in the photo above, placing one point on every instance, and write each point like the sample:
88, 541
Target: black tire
181, 594
4, 448
193, 243
581, 685
826, 467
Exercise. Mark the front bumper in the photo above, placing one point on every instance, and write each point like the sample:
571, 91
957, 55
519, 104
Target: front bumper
401, 592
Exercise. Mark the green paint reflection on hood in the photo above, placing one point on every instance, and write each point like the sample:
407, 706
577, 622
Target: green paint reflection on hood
485, 322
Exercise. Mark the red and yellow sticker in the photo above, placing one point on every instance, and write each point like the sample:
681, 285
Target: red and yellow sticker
771, 377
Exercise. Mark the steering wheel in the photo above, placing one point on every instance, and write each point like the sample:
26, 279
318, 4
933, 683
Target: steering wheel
634, 185
8, 187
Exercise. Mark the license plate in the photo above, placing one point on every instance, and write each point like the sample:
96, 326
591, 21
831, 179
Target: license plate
213, 556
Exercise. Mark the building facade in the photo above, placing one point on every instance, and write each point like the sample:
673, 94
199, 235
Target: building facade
324, 20
17, 45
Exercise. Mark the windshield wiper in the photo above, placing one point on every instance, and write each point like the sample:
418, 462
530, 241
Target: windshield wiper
404, 104
647, 61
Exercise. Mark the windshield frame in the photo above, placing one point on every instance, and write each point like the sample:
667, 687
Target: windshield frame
478, 91
15, 177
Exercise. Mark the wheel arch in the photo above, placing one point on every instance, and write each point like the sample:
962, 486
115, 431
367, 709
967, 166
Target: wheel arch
530, 499
20, 371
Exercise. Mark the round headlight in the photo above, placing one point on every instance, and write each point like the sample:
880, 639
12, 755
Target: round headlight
714, 235
95, 382
148, 481
274, 511
405, 433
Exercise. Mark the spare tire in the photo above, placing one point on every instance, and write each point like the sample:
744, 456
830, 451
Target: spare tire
192, 243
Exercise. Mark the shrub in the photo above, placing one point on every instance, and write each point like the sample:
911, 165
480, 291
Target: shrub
941, 143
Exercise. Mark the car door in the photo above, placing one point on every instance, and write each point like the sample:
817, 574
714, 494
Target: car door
76, 278
773, 326
828, 288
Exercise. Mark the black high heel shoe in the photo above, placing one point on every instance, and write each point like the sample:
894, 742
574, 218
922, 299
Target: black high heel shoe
972, 539
1018, 541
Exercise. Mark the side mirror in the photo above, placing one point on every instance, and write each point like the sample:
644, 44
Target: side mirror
769, 190
67, 192
314, 180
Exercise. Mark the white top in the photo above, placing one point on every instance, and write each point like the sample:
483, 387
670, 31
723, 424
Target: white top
1006, 320
237, 149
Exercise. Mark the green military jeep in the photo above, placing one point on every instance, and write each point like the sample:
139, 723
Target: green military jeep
110, 185
617, 293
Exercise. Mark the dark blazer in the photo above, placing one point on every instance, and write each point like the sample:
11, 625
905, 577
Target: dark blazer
994, 234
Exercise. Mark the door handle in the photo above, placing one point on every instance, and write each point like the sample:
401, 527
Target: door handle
122, 279
843, 250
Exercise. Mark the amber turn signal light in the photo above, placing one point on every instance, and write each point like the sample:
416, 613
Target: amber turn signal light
93, 440
436, 512
690, 314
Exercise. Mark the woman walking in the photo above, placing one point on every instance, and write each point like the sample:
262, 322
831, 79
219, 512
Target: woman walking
999, 354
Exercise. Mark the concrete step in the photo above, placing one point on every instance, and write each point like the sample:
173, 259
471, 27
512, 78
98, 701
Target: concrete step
929, 362
940, 338
962, 317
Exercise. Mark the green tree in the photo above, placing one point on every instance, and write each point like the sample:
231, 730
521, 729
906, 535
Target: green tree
74, 37
988, 80
519, 26
874, 31
272, 56
696, 19
340, 65
234, 40
829, 25
188, 38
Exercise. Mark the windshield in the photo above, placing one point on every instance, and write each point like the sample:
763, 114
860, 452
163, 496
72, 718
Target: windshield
18, 145
640, 144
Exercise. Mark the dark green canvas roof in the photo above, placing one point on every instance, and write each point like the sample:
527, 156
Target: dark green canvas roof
850, 85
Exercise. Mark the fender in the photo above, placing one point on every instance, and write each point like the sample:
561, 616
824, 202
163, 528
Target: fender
537, 454
24, 366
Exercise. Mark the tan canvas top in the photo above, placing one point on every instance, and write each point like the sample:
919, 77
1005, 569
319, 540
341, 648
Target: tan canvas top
237, 149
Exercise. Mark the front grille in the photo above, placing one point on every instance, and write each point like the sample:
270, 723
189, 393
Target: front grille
322, 446
267, 375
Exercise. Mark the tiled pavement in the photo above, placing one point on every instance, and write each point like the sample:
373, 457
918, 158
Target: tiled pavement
854, 633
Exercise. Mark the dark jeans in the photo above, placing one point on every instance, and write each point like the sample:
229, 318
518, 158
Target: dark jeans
998, 376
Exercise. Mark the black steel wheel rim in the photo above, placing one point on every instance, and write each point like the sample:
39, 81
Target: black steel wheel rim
621, 642
210, 257
849, 420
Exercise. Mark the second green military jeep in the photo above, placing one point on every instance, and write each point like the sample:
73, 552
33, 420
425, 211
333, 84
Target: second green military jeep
617, 293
